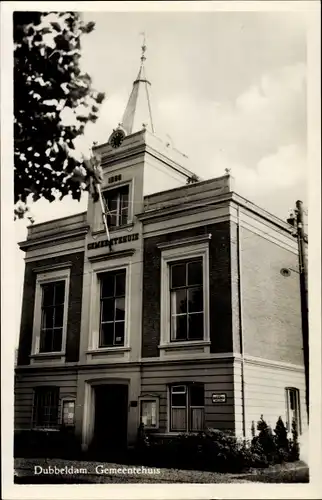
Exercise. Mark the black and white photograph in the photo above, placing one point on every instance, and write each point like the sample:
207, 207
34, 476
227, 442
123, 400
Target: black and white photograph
157, 188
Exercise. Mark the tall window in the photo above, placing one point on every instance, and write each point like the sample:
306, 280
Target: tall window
52, 316
293, 408
46, 402
112, 328
117, 201
187, 407
186, 296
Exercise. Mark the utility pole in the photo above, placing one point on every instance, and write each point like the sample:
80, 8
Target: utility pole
297, 221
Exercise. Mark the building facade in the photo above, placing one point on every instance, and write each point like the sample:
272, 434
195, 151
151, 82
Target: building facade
183, 320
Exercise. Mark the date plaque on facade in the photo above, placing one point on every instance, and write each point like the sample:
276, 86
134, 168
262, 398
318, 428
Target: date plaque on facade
133, 404
219, 398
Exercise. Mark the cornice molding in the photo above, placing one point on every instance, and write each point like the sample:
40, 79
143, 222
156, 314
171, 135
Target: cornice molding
111, 255
185, 241
53, 238
269, 363
198, 205
54, 267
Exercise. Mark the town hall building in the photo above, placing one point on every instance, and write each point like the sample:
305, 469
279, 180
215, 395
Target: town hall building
184, 320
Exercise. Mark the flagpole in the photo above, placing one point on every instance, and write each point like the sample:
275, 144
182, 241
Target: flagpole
98, 187
99, 192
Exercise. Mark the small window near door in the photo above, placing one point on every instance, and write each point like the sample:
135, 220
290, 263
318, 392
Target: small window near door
149, 412
293, 408
45, 410
68, 412
187, 408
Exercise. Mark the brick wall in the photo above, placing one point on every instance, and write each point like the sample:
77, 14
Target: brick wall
270, 302
74, 307
220, 288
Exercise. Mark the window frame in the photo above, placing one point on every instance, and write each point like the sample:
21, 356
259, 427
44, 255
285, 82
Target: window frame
63, 400
154, 399
171, 253
34, 424
114, 297
45, 278
297, 393
186, 287
94, 309
188, 407
118, 187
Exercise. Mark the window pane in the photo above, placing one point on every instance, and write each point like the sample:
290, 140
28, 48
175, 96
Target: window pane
112, 201
46, 341
123, 216
178, 275
120, 284
120, 308
60, 292
47, 318
59, 316
179, 419
113, 219
124, 197
195, 273
179, 301
107, 309
178, 400
197, 395
197, 419
107, 287
57, 339
196, 326
178, 389
292, 400
119, 333
179, 327
48, 294
107, 335
195, 299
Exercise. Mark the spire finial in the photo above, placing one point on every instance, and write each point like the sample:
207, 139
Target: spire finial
143, 47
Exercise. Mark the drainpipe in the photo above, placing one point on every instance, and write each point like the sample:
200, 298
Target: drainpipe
240, 313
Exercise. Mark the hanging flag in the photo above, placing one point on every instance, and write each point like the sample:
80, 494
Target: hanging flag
94, 180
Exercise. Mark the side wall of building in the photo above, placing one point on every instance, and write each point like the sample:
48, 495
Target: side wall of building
74, 307
270, 302
265, 393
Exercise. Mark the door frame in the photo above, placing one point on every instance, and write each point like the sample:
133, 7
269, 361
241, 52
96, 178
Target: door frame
89, 406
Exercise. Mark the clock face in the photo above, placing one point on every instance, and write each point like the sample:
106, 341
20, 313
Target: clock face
117, 138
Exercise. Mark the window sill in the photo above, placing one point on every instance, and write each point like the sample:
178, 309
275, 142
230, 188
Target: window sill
128, 226
47, 354
102, 350
186, 343
45, 429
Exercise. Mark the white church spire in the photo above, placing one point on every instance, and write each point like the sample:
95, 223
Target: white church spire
138, 114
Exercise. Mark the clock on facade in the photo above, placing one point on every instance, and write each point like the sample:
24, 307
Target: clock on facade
117, 137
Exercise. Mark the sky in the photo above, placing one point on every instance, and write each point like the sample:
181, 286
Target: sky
228, 89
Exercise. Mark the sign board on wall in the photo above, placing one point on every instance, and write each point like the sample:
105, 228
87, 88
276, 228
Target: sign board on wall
219, 398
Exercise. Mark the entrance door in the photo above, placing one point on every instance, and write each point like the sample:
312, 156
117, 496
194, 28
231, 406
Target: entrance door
110, 428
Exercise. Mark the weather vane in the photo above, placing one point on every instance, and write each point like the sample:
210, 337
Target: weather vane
143, 47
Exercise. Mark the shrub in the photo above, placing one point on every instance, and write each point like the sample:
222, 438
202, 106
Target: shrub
294, 445
281, 441
264, 444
